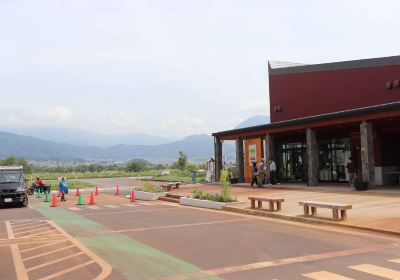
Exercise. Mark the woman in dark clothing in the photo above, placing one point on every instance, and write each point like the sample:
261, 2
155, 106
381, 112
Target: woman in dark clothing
254, 174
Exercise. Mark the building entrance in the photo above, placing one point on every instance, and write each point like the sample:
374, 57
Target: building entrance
333, 155
292, 162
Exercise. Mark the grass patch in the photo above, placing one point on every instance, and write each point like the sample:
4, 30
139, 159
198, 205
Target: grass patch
224, 196
175, 175
71, 185
147, 187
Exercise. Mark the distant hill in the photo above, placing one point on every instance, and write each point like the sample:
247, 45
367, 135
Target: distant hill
197, 147
83, 138
254, 121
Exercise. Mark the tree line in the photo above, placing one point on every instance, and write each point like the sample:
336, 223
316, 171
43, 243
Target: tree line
135, 165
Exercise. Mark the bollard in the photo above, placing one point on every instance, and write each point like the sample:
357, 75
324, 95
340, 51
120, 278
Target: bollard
80, 200
47, 199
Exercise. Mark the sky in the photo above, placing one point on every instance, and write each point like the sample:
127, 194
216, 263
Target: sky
173, 67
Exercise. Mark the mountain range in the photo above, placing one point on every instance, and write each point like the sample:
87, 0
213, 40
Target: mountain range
83, 138
69, 144
253, 121
197, 147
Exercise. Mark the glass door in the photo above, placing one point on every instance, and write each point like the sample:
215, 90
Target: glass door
292, 162
332, 160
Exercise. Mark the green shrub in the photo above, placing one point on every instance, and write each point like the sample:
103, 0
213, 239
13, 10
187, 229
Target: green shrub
147, 187
224, 196
226, 192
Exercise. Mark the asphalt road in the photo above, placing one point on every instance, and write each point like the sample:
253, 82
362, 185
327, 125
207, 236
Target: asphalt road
116, 239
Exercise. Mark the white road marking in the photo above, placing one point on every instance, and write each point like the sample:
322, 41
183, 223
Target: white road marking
378, 271
111, 206
92, 207
33, 230
42, 246
129, 205
54, 275
324, 275
30, 227
22, 271
16, 255
49, 252
75, 209
54, 261
145, 203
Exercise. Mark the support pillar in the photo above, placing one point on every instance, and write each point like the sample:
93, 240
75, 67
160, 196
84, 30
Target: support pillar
312, 157
218, 158
367, 153
240, 159
269, 148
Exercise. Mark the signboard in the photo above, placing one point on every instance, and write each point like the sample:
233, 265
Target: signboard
224, 176
210, 171
252, 154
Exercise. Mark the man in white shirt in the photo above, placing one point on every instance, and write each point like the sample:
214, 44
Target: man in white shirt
272, 172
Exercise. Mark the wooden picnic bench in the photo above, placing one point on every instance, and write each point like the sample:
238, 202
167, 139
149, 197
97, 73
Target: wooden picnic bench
168, 186
336, 207
271, 201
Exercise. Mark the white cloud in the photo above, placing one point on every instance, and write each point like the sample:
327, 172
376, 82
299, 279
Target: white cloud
34, 116
181, 126
260, 106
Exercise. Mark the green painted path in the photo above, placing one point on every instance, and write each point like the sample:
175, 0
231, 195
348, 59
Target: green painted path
128, 256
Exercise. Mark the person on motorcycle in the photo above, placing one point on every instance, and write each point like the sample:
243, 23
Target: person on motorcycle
39, 182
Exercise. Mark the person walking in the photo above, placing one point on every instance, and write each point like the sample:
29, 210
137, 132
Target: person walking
351, 170
260, 173
272, 172
254, 174
63, 188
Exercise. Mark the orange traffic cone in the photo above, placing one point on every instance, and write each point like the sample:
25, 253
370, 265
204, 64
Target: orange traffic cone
54, 201
97, 191
117, 191
132, 196
77, 192
91, 202
59, 193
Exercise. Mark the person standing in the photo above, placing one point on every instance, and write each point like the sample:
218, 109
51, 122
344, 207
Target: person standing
260, 173
272, 172
351, 170
194, 173
254, 174
63, 188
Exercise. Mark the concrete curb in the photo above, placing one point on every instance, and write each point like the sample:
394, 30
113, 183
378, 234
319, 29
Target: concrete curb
320, 190
307, 220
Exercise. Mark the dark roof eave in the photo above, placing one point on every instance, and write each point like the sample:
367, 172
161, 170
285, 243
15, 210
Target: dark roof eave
347, 113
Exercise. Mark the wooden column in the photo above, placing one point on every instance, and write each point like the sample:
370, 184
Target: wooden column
312, 157
218, 158
367, 153
240, 159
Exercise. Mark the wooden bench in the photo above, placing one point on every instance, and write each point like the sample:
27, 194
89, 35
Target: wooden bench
336, 207
271, 201
168, 186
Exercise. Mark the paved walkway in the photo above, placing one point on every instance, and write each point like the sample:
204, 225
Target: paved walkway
376, 210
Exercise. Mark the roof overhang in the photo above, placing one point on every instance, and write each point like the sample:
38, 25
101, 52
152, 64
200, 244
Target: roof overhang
341, 117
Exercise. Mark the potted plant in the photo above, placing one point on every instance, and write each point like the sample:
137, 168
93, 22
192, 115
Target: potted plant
234, 180
149, 192
209, 200
360, 186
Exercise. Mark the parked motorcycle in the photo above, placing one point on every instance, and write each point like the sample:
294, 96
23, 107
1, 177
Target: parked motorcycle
35, 188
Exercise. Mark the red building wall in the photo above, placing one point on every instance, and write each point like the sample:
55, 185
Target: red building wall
313, 93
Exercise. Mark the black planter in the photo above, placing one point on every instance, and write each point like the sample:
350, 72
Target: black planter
361, 186
234, 180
